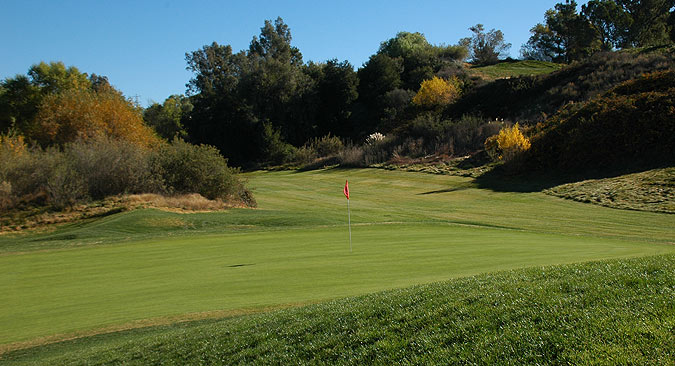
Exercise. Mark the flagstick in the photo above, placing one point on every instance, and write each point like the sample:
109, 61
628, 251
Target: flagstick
349, 216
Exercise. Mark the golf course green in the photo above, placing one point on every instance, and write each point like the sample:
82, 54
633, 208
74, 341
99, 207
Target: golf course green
149, 266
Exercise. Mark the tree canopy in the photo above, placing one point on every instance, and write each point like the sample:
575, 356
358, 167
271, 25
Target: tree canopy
55, 104
485, 47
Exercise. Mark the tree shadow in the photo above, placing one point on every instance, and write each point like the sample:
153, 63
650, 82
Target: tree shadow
447, 190
506, 179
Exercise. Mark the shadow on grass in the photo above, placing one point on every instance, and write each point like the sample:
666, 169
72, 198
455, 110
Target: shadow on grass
503, 178
447, 190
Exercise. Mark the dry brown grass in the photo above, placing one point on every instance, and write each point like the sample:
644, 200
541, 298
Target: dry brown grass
193, 202
41, 219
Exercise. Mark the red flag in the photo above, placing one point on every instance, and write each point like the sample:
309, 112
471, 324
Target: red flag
346, 190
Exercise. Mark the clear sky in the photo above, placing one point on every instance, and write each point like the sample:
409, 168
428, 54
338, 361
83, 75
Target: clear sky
141, 45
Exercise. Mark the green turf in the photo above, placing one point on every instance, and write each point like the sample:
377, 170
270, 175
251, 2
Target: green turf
617, 312
409, 228
514, 69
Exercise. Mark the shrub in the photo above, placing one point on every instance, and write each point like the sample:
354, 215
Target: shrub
101, 167
187, 168
437, 92
507, 144
351, 156
65, 187
111, 167
327, 145
318, 148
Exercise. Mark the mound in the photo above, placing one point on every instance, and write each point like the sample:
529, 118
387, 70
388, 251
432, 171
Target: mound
616, 311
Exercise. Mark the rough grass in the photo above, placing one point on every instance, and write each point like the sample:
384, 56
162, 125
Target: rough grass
42, 218
652, 190
610, 312
512, 69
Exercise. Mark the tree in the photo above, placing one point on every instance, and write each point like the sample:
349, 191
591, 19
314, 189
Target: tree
336, 91
565, 36
86, 114
485, 48
21, 95
649, 21
220, 116
167, 118
610, 21
243, 100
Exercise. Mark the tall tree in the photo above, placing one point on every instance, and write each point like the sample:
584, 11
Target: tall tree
485, 47
565, 36
220, 117
167, 119
610, 21
21, 95
649, 21
337, 90
380, 75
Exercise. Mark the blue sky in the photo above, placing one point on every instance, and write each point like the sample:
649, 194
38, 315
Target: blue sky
141, 45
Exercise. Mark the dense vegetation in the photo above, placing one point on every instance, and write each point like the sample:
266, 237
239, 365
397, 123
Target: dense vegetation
100, 167
258, 106
615, 312
631, 125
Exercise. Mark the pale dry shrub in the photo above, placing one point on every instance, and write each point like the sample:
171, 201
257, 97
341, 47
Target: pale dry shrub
352, 156
185, 202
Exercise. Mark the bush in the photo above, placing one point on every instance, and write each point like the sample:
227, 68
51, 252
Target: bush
187, 168
318, 148
437, 92
101, 167
111, 167
507, 144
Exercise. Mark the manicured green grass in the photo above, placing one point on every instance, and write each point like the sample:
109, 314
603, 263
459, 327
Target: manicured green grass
514, 69
408, 229
615, 312
651, 190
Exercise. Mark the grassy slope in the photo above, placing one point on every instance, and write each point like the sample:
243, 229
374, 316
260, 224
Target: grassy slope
513, 69
613, 312
408, 229
652, 190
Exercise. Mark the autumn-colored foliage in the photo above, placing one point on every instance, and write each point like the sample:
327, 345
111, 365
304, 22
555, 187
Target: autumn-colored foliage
85, 114
437, 92
507, 144
12, 143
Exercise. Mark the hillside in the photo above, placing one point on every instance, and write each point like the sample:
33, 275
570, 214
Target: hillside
630, 126
618, 311
651, 190
510, 69
533, 98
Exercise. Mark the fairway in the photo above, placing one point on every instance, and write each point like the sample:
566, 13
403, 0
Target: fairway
408, 228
